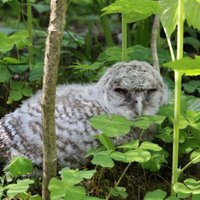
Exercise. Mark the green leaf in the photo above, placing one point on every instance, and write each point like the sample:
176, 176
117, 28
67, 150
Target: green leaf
87, 174
70, 176
187, 66
20, 39
16, 85
165, 135
19, 166
155, 195
182, 190
189, 145
15, 95
169, 15
104, 161
6, 43
119, 192
27, 91
156, 161
36, 73
11, 60
18, 68
75, 193
118, 156
57, 189
130, 145
195, 156
172, 198
19, 187
145, 121
5, 74
35, 197
194, 42
111, 125
1, 191
192, 184
146, 145
191, 86
105, 141
133, 10
137, 155
192, 13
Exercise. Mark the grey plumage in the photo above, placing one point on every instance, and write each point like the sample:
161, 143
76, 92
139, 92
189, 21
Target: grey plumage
129, 89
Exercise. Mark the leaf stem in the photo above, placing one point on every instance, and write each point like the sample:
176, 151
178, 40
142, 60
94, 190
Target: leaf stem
119, 180
124, 39
178, 77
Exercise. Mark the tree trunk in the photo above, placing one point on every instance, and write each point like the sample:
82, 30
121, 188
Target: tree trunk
51, 61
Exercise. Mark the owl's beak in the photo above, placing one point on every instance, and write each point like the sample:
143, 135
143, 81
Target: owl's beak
138, 106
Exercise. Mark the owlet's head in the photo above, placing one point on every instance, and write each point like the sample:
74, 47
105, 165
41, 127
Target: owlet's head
132, 89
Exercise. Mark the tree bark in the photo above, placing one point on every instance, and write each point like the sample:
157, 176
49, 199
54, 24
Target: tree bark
51, 62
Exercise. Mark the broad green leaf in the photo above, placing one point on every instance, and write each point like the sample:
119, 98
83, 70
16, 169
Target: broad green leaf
192, 116
111, 125
137, 155
187, 66
35, 197
194, 42
5, 74
191, 86
194, 104
155, 195
182, 189
91, 198
105, 141
192, 184
27, 91
146, 145
87, 174
119, 192
195, 156
189, 145
118, 156
57, 189
104, 161
75, 193
19, 187
20, 39
11, 60
145, 121
169, 15
18, 68
6, 43
192, 13
19, 166
165, 135
15, 95
70, 176
130, 145
16, 85
36, 73
195, 196
158, 158
133, 10
172, 198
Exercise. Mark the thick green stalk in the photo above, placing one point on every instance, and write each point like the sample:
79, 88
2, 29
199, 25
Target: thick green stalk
124, 39
30, 29
178, 77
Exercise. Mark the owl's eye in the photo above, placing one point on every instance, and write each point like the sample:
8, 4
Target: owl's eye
121, 91
152, 90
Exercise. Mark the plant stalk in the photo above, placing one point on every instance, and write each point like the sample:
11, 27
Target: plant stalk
30, 29
178, 78
124, 39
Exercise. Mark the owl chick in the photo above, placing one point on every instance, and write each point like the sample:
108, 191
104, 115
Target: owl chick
129, 89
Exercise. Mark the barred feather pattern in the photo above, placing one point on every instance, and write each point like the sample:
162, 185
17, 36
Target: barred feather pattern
128, 89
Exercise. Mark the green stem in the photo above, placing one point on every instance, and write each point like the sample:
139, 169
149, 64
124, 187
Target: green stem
170, 46
124, 39
29, 21
188, 164
178, 78
118, 182
107, 31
